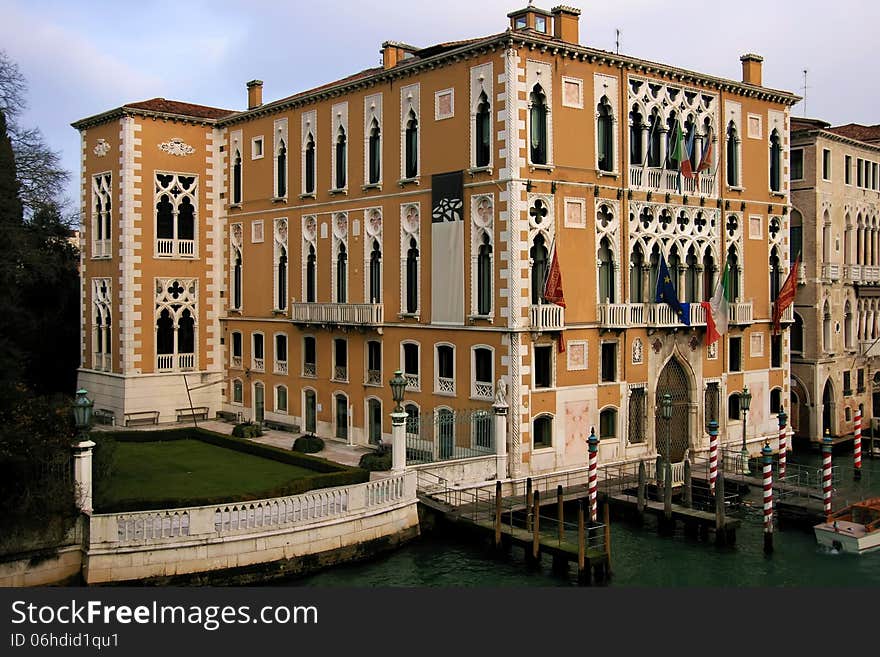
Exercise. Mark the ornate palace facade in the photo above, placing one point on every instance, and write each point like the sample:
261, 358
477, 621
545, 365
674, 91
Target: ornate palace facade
283, 261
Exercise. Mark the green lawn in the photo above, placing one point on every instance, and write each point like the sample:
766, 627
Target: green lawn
181, 472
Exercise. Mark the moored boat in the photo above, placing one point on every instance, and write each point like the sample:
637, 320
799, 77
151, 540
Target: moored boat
854, 529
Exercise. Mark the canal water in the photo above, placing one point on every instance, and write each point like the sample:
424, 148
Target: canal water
640, 557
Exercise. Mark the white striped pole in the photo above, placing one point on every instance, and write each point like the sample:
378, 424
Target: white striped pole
713, 455
768, 497
826, 473
857, 446
594, 474
783, 443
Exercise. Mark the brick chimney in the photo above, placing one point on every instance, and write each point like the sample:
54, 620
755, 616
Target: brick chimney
394, 52
255, 93
752, 65
565, 23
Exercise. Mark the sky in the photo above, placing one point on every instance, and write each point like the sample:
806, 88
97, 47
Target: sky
83, 57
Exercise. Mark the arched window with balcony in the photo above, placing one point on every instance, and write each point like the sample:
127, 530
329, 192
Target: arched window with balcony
636, 127
412, 277
341, 274
375, 273
606, 272
538, 125
775, 274
692, 276
654, 139
236, 281
281, 284
605, 135
484, 277
675, 268
538, 254
311, 277
733, 278
708, 276
636, 274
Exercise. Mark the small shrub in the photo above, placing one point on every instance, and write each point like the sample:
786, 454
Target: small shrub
247, 430
308, 444
377, 461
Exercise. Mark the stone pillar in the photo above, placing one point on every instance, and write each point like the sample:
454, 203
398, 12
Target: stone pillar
500, 409
645, 146
398, 441
663, 147
82, 474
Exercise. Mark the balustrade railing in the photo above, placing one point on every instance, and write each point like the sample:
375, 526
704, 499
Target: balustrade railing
101, 248
170, 248
235, 362
281, 367
186, 362
310, 370
338, 313
740, 313
412, 382
547, 317
340, 373
831, 272
258, 364
374, 377
667, 180
445, 384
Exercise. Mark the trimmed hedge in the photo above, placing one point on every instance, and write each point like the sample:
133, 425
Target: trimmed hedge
247, 430
377, 461
308, 444
329, 474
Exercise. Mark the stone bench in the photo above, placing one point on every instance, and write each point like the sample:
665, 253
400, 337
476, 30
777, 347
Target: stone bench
194, 413
142, 417
281, 426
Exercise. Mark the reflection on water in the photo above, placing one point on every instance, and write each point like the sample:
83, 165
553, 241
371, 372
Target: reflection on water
639, 558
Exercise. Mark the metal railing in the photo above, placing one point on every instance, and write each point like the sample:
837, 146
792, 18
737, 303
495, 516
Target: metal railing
412, 382
449, 436
258, 364
374, 377
310, 370
280, 367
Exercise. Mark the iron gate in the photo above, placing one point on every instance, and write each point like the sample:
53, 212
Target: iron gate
448, 434
674, 432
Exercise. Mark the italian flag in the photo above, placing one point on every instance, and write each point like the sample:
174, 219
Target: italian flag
716, 309
680, 152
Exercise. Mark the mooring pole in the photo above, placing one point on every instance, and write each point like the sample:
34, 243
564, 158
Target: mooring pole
688, 491
528, 504
594, 474
560, 512
667, 491
857, 446
767, 453
606, 516
643, 483
497, 514
719, 508
536, 538
713, 455
783, 445
582, 548
826, 474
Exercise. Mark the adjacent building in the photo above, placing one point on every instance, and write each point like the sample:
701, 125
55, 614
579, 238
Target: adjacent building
283, 261
835, 211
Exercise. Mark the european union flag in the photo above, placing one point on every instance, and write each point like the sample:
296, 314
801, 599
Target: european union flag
666, 294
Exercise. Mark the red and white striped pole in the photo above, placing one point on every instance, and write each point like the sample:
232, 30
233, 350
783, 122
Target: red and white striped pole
857, 446
768, 497
713, 454
594, 474
783, 443
826, 473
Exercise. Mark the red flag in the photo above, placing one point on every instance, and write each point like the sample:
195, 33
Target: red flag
786, 294
553, 292
553, 284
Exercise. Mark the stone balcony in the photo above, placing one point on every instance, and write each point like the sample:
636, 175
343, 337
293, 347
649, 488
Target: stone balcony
546, 317
667, 180
831, 272
337, 314
661, 315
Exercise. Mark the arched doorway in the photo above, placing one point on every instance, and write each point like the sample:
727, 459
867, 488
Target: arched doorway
674, 381
828, 408
259, 402
374, 420
311, 411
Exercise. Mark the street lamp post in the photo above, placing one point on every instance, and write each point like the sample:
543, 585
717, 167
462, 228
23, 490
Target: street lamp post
398, 418
666, 412
82, 451
745, 401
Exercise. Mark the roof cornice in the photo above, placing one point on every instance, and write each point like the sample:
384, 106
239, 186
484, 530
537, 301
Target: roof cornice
833, 136
120, 112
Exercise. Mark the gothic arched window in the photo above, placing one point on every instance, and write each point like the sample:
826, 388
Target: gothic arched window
538, 125
483, 132
341, 152
538, 254
605, 135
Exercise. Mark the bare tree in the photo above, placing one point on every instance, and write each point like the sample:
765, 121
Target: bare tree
40, 175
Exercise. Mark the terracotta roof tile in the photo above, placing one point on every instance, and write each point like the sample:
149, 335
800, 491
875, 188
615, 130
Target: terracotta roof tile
866, 133
177, 107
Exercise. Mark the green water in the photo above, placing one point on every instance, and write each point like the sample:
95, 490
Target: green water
639, 558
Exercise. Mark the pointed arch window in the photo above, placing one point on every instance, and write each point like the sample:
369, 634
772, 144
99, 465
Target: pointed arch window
797, 335
775, 161
376, 273
636, 156
311, 278
734, 277
775, 274
606, 272
309, 177
101, 221
236, 280
654, 138
175, 197
636, 271
827, 345
692, 277
281, 285
484, 277
605, 135
538, 125
375, 153
675, 268
175, 325
538, 254
732, 155
281, 170
412, 277
653, 271
236, 177
849, 326
796, 234
483, 140
412, 146
341, 153
341, 275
